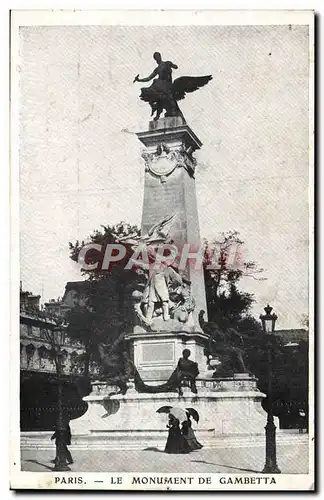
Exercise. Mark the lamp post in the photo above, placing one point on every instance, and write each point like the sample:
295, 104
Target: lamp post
268, 324
60, 461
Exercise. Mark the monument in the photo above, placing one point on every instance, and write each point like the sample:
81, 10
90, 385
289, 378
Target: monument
168, 304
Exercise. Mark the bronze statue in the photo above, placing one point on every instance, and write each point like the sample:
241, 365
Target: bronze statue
163, 94
222, 345
187, 370
115, 366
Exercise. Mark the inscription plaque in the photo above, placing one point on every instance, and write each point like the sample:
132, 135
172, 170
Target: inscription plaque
162, 166
155, 353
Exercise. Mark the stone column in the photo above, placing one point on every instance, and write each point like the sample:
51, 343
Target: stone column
170, 189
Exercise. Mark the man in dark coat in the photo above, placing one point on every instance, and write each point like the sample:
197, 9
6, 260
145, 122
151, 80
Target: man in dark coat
62, 438
187, 370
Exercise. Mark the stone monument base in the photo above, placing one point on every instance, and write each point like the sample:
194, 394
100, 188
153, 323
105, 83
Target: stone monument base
227, 407
156, 355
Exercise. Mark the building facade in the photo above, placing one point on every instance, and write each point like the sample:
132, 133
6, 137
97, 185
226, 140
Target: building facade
38, 375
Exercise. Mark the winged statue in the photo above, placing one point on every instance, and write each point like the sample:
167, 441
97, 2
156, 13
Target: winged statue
163, 93
157, 234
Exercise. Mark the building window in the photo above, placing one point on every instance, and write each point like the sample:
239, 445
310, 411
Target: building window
29, 330
30, 349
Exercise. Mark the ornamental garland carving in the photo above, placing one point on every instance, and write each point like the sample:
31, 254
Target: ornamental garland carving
164, 161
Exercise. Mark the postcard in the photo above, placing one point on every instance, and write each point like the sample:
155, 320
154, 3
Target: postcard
162, 215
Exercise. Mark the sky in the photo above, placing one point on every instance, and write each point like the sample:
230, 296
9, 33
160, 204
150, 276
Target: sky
80, 160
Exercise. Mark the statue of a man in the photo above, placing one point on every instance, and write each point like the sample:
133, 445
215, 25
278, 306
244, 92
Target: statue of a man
163, 70
187, 370
160, 92
156, 290
165, 291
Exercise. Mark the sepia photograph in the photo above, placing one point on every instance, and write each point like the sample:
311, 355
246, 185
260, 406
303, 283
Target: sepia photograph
162, 178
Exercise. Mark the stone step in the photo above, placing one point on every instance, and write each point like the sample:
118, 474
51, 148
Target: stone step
140, 441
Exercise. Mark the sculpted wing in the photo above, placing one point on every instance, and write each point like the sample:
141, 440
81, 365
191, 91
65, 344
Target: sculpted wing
185, 84
160, 231
157, 233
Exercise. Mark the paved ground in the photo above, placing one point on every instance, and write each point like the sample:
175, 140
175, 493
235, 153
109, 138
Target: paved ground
292, 459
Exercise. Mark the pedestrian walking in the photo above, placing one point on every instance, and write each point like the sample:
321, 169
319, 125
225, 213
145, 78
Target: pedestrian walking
189, 435
176, 442
62, 438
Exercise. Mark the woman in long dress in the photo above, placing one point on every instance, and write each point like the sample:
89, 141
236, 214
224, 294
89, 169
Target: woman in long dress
189, 435
176, 442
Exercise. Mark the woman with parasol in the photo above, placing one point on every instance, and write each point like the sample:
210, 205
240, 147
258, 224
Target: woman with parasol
180, 440
176, 442
189, 434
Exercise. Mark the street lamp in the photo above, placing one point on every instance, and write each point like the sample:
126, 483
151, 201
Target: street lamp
268, 320
60, 461
268, 324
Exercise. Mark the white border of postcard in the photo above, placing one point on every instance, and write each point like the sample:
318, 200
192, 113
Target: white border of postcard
39, 480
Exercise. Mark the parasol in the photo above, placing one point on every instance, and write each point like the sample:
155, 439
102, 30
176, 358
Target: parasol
180, 413
193, 413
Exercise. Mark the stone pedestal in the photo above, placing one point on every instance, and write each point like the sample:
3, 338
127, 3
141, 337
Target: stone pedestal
156, 355
226, 407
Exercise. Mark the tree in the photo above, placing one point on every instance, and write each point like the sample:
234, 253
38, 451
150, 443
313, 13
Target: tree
105, 311
226, 304
82, 327
228, 308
